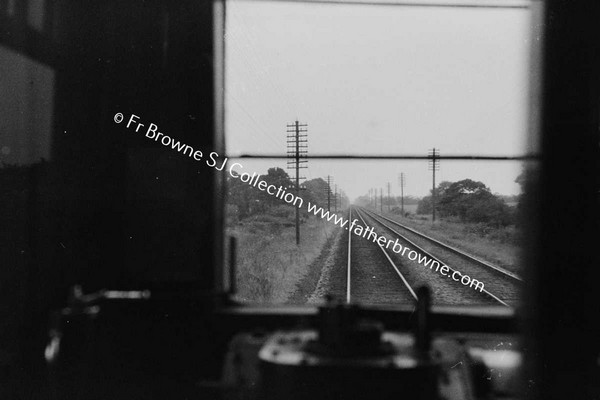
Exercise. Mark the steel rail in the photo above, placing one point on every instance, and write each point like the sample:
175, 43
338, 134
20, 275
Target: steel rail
485, 291
452, 249
348, 275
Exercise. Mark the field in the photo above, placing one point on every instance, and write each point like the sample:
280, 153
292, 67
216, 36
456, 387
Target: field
269, 264
409, 208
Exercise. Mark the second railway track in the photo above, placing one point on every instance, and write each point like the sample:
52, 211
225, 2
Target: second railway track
500, 286
365, 272
501, 271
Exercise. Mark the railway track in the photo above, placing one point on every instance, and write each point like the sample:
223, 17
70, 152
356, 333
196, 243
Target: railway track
366, 272
371, 274
484, 264
501, 286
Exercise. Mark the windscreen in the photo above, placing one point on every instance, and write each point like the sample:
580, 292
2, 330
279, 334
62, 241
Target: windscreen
376, 148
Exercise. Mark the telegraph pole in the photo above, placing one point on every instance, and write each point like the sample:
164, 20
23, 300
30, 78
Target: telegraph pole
381, 200
297, 152
402, 191
335, 199
329, 180
434, 165
374, 191
389, 200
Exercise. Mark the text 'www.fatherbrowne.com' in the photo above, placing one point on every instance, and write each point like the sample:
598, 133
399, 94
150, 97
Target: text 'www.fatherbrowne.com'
236, 171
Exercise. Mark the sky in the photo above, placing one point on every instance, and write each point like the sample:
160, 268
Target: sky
373, 79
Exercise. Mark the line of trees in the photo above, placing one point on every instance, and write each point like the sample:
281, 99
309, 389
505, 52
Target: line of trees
247, 200
392, 201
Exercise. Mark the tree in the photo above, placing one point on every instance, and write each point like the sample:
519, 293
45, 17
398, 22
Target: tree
424, 205
458, 197
276, 177
472, 201
315, 192
408, 200
526, 180
249, 200
442, 187
469, 201
491, 210
240, 196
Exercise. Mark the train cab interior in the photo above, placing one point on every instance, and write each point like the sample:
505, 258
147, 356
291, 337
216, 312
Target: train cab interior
119, 273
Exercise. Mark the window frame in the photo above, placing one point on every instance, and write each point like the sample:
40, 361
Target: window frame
492, 319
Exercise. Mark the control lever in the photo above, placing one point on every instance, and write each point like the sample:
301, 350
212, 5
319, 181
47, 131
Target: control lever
80, 311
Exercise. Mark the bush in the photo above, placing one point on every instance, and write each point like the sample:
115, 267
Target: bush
491, 211
507, 234
424, 206
265, 218
283, 211
479, 229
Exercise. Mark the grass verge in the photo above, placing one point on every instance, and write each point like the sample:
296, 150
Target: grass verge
269, 264
497, 246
